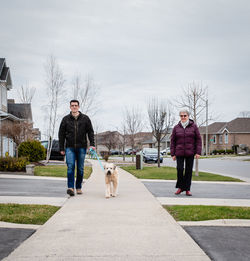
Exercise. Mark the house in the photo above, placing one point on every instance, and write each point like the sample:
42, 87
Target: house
105, 141
226, 135
6, 144
10, 114
152, 143
23, 111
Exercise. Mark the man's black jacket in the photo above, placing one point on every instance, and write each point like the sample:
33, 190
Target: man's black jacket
75, 132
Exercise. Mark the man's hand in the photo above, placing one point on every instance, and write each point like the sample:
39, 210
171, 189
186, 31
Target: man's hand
174, 158
197, 156
62, 152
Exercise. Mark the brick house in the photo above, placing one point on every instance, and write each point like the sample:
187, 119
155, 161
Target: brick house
225, 135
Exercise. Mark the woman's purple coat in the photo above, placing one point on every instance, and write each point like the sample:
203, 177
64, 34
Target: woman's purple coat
186, 142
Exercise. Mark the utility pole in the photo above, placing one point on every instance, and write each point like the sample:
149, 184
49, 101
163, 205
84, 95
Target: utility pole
207, 127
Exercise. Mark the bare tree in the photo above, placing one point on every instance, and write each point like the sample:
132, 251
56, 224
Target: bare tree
86, 93
124, 138
26, 94
133, 120
160, 119
244, 114
97, 128
55, 86
17, 131
110, 140
195, 99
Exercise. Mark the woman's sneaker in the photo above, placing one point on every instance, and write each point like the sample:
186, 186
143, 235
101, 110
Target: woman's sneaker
71, 192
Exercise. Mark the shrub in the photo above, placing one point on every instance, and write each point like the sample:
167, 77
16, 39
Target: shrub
33, 150
229, 151
13, 164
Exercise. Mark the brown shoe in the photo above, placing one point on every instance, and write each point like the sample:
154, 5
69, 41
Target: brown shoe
79, 191
71, 192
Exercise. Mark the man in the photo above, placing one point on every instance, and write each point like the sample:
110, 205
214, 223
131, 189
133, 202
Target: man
74, 128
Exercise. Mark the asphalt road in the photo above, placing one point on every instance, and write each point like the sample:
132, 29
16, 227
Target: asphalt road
11, 238
201, 190
227, 166
222, 243
32, 187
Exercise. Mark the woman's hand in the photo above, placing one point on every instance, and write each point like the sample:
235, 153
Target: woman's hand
197, 156
174, 158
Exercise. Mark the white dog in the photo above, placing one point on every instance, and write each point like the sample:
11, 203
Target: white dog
111, 180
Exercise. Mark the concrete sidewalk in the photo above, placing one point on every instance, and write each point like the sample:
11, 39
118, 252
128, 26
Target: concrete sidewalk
132, 226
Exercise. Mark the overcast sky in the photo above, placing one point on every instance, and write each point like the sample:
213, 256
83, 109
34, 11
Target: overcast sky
133, 49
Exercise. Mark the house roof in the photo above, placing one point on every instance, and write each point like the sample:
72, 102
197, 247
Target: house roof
5, 74
238, 125
20, 110
212, 128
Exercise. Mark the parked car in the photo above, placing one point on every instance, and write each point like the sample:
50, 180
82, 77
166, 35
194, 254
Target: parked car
151, 154
130, 151
55, 151
115, 152
165, 151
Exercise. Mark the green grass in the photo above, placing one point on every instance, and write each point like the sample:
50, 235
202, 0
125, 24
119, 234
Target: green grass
58, 171
26, 214
199, 213
170, 173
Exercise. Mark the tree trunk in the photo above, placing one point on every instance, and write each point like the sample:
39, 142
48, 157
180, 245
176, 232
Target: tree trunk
158, 156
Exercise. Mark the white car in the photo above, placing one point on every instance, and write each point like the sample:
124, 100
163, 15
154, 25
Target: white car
165, 151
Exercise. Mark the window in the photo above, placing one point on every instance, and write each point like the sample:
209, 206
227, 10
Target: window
226, 138
220, 139
214, 139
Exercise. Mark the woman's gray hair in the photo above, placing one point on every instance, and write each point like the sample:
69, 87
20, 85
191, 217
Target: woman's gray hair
185, 111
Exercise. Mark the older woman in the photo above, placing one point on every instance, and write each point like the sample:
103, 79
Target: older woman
185, 145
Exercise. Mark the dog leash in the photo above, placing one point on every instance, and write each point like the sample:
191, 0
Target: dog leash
93, 153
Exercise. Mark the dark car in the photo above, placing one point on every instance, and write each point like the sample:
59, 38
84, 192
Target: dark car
130, 151
55, 151
151, 154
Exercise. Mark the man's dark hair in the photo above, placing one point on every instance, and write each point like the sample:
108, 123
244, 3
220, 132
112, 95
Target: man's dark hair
74, 101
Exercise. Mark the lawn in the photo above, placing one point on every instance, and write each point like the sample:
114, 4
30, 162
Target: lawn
58, 171
169, 173
199, 213
26, 214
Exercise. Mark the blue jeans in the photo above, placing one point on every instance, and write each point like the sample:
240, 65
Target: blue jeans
75, 155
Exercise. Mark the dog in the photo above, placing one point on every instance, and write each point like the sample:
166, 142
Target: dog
111, 180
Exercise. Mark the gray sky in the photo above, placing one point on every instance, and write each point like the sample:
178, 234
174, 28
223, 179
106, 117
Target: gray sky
133, 49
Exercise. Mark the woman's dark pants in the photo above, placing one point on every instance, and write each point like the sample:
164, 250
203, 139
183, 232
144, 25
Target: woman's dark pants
184, 178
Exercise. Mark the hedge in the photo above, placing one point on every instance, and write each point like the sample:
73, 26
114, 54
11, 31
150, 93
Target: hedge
13, 164
33, 150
